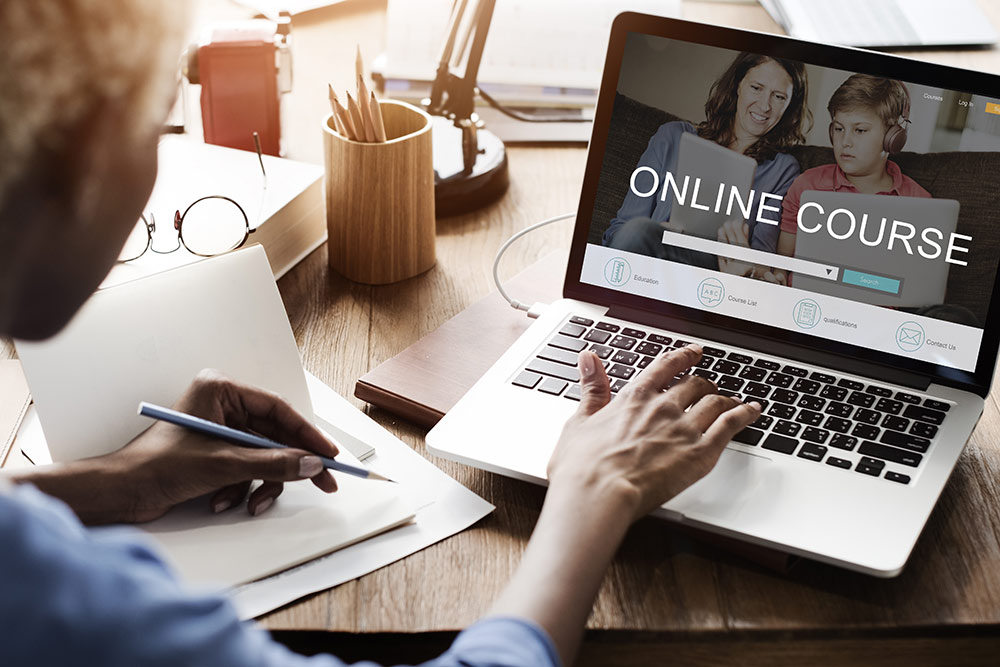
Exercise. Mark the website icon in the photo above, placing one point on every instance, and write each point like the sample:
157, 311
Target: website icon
910, 336
617, 271
807, 313
711, 292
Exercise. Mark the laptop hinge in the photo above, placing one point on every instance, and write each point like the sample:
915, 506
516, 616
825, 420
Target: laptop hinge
770, 346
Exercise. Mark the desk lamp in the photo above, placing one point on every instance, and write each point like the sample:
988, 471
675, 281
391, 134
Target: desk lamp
470, 162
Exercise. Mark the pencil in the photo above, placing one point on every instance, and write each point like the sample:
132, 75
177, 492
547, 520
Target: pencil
359, 66
359, 123
242, 438
377, 118
366, 111
345, 120
338, 125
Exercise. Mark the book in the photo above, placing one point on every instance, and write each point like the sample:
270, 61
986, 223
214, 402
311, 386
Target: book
289, 215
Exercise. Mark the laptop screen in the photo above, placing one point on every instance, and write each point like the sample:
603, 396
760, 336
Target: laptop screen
835, 204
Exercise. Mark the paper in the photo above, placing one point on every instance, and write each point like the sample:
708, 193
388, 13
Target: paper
147, 340
443, 507
232, 548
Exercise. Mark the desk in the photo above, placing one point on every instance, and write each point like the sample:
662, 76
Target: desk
665, 598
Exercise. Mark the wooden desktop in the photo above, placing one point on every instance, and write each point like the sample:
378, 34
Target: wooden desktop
666, 599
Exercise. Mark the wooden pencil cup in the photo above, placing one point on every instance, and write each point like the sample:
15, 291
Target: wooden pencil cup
380, 199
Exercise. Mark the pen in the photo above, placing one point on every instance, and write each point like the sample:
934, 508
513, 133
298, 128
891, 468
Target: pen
242, 438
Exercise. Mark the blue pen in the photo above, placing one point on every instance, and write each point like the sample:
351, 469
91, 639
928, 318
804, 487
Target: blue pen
205, 427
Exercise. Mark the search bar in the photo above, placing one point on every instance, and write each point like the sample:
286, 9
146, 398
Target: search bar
744, 254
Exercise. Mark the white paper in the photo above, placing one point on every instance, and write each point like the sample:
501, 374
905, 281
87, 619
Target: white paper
443, 507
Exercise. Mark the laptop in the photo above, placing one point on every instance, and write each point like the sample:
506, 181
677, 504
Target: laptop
870, 274
866, 408
707, 167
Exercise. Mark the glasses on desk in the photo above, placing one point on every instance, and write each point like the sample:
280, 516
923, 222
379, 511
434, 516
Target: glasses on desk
209, 226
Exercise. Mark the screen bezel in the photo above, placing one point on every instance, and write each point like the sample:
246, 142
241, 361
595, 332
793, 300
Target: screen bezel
841, 58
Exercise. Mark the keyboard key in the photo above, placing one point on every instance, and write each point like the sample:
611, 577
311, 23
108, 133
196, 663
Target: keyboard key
896, 423
595, 336
753, 373
683, 343
560, 356
937, 405
923, 430
767, 364
787, 428
623, 342
730, 383
776, 379
652, 349
924, 414
756, 389
780, 443
567, 343
839, 409
618, 385
837, 424
527, 379
841, 441
574, 393
785, 396
622, 372
748, 436
822, 377
561, 371
889, 405
731, 394
634, 333
833, 392
705, 362
816, 435
867, 416
809, 417
897, 477
645, 361
713, 351
853, 385
879, 391
740, 358
893, 454
607, 326
573, 330
781, 411
866, 431
659, 340
914, 443
812, 452
907, 398
552, 386
838, 463
623, 357
864, 400
582, 321
763, 422
708, 375
812, 402
726, 367
870, 469
602, 351
753, 399
795, 370
806, 386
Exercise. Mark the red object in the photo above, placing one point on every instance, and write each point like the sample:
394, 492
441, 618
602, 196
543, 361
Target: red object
239, 92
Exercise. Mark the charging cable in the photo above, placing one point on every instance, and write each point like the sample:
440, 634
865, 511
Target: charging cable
535, 309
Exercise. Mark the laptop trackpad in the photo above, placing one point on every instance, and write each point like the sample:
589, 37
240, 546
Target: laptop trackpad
734, 487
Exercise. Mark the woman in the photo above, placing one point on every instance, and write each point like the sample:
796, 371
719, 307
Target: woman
757, 108
85, 88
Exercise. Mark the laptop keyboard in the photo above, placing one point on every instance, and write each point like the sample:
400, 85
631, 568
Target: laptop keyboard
823, 417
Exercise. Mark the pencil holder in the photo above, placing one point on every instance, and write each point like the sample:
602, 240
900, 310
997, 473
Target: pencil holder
380, 199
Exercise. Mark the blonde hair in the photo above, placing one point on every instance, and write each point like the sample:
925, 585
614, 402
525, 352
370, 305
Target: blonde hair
62, 59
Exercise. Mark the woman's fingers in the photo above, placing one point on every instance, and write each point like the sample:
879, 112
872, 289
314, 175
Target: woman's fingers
729, 423
263, 497
596, 388
688, 391
660, 374
704, 412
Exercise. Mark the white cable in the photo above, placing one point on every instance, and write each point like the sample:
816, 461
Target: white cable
534, 309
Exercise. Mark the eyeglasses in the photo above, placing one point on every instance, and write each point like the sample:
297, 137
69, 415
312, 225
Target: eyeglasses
209, 226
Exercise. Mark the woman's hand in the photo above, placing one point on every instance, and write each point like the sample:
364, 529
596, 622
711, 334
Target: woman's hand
167, 465
657, 438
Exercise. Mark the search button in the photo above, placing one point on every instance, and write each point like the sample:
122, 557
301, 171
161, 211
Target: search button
871, 281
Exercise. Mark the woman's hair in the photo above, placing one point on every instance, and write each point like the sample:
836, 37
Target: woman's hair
62, 60
886, 97
720, 108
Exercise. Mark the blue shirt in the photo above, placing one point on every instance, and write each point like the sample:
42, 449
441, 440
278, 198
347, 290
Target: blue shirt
72, 595
773, 176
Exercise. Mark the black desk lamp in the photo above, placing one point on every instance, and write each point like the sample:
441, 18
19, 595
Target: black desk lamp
470, 163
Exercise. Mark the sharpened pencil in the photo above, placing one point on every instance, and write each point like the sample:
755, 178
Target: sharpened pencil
355, 113
379, 126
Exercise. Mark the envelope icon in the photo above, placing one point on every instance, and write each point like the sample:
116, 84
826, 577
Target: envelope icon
909, 336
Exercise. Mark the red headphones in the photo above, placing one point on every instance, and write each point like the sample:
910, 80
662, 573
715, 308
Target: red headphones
895, 136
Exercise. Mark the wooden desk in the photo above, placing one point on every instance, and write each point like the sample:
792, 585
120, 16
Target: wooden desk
665, 599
